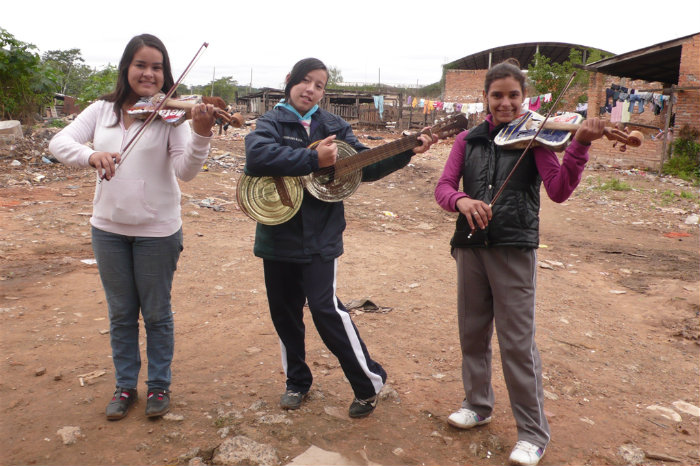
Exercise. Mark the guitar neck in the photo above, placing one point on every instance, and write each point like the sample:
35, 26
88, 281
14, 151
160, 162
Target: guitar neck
368, 157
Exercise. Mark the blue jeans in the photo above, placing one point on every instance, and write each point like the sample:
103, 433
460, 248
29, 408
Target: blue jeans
137, 275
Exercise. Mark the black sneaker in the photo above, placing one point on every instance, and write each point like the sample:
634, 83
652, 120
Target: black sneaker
362, 408
158, 403
291, 399
121, 402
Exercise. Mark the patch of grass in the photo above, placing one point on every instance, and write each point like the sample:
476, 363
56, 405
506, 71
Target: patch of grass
614, 184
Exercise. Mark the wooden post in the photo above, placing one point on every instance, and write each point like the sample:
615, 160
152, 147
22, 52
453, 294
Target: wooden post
667, 123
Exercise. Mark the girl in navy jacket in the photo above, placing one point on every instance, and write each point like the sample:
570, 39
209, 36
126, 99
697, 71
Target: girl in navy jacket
300, 256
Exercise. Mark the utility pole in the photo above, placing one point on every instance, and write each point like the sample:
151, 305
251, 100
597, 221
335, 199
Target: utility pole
213, 76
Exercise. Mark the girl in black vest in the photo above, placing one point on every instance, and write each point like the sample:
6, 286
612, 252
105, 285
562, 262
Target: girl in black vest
496, 266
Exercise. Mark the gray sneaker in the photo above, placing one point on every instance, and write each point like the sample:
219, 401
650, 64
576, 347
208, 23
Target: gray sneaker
291, 399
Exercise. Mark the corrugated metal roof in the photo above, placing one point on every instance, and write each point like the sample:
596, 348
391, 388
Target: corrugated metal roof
557, 52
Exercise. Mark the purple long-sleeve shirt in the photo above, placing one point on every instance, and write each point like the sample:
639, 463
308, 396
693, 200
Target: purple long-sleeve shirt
559, 180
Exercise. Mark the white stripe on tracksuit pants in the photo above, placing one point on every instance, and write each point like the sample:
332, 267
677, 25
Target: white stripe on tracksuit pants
289, 286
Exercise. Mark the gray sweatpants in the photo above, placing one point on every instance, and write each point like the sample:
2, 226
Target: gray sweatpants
498, 285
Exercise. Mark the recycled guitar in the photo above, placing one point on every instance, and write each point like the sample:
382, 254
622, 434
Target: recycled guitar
274, 200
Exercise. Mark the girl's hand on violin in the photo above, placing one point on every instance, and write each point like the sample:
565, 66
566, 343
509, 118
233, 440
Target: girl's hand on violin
327, 152
426, 140
478, 213
105, 163
203, 119
590, 130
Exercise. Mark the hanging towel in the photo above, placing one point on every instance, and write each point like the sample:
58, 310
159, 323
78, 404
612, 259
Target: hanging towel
535, 104
379, 105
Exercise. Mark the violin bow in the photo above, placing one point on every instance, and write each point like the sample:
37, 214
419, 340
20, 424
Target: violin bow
154, 114
529, 144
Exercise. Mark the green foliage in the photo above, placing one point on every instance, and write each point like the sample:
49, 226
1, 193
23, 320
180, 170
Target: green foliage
685, 159
26, 83
57, 123
226, 88
97, 84
546, 77
614, 184
335, 76
69, 69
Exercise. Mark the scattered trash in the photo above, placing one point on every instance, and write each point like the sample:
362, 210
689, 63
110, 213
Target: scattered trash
89, 261
676, 234
87, 378
668, 413
687, 408
693, 219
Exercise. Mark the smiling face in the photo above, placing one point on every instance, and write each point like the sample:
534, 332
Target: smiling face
505, 98
309, 91
145, 74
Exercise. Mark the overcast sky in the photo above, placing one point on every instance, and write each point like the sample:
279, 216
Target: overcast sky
395, 42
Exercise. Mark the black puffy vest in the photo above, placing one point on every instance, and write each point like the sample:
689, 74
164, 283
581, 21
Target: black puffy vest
515, 219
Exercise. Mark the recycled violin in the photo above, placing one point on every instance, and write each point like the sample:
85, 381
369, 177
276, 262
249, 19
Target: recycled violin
176, 110
556, 132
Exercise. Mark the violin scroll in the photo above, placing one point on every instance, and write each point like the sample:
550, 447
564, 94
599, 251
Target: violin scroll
626, 137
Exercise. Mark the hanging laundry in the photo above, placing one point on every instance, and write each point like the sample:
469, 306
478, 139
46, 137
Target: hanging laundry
449, 107
379, 105
458, 107
547, 97
636, 99
535, 104
414, 104
479, 107
408, 100
625, 116
421, 103
616, 113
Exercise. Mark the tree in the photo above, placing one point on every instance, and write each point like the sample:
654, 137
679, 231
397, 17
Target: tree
335, 76
25, 84
548, 77
69, 69
225, 87
97, 84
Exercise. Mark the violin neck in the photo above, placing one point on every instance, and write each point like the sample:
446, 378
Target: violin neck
184, 105
559, 126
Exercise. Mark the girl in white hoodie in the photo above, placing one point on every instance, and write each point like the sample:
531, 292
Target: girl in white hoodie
136, 222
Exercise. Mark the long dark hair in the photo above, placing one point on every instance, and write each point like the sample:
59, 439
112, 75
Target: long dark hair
509, 68
299, 72
122, 91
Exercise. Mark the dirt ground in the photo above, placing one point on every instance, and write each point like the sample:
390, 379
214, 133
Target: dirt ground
617, 315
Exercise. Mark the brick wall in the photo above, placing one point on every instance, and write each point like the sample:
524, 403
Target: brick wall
464, 86
688, 104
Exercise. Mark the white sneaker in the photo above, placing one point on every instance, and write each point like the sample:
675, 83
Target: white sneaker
466, 419
526, 454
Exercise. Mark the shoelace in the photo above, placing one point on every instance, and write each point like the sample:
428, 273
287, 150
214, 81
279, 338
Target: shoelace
122, 396
161, 395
